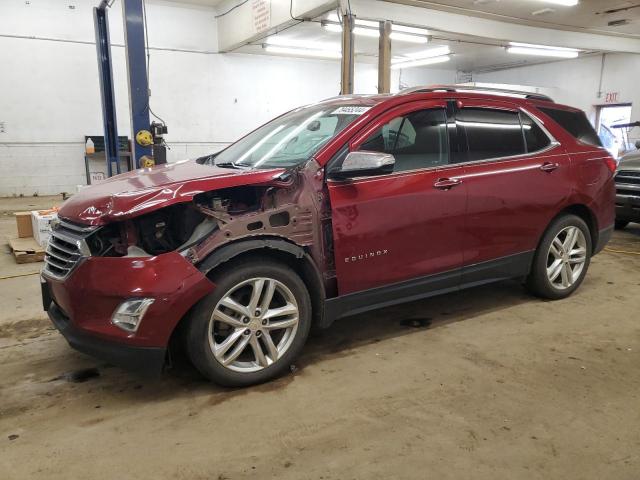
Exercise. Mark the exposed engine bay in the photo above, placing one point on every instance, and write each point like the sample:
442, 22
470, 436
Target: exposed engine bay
283, 208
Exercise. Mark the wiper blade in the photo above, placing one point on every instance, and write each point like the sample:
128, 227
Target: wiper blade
228, 165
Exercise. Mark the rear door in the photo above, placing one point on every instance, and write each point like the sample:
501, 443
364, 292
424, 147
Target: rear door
406, 224
517, 178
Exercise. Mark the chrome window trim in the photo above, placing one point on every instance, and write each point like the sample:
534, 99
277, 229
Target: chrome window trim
552, 145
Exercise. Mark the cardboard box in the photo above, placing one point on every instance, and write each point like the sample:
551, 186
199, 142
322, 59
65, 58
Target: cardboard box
41, 225
23, 222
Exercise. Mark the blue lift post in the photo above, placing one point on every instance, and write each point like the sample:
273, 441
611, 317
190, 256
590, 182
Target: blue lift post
133, 14
103, 46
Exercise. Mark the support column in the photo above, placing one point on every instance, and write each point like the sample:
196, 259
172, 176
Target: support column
346, 83
107, 97
384, 58
133, 15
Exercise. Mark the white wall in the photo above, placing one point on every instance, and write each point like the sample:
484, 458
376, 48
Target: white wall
576, 82
49, 83
50, 94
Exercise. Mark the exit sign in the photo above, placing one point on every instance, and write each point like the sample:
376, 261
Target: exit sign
611, 97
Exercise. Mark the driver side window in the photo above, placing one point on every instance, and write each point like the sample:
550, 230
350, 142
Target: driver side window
416, 140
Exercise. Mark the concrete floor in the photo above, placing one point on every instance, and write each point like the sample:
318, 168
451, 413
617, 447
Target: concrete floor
484, 384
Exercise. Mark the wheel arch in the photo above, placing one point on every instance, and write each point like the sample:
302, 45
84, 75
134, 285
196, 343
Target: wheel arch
582, 211
279, 249
586, 214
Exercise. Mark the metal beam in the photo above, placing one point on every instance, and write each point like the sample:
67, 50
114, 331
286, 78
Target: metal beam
105, 70
384, 58
133, 15
347, 64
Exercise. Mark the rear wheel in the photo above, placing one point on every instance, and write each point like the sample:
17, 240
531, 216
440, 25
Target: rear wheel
252, 326
562, 259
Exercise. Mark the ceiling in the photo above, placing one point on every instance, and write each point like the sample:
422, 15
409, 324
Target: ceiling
589, 15
468, 53
474, 53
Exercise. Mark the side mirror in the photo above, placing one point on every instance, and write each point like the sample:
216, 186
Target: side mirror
638, 144
364, 164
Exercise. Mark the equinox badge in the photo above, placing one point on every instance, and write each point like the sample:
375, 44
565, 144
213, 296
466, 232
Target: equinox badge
365, 256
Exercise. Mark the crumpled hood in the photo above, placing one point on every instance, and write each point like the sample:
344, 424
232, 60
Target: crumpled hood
141, 191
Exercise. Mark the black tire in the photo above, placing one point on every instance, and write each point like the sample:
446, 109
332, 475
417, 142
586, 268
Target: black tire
197, 337
538, 281
621, 224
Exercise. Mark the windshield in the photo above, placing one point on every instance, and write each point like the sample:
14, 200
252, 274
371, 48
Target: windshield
291, 139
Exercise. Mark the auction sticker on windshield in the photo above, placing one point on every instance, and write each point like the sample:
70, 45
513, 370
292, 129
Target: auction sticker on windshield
350, 110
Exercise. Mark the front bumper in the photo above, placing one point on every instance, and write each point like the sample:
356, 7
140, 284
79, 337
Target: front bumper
146, 360
81, 305
628, 207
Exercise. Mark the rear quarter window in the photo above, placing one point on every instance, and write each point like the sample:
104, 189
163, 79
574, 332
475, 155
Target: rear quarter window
491, 133
574, 122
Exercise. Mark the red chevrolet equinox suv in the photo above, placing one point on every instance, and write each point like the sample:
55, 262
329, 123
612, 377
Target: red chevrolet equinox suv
330, 210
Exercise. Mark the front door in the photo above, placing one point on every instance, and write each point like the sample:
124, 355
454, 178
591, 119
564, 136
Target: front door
406, 224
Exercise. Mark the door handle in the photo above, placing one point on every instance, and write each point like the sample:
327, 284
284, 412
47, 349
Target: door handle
548, 166
447, 183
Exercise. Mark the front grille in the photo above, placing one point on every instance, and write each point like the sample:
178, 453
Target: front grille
627, 192
67, 246
628, 177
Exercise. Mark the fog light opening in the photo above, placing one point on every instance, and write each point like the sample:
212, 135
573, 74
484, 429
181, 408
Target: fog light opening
129, 314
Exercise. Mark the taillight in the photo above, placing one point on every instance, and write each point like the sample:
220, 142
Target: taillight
611, 164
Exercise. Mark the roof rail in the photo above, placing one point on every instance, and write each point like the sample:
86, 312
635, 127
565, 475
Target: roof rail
487, 90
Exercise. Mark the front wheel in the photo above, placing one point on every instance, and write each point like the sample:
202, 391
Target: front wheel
252, 326
562, 259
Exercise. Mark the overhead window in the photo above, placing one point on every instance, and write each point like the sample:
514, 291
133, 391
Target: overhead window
491, 133
416, 140
534, 136
576, 123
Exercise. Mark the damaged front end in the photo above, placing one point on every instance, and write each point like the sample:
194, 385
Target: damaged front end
162, 256
291, 207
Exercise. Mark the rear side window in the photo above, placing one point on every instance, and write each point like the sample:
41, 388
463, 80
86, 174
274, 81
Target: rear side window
576, 123
491, 133
534, 136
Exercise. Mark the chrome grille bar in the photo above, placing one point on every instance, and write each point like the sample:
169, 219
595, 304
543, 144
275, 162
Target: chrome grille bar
67, 247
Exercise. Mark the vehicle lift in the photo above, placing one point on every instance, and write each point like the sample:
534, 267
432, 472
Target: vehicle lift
149, 147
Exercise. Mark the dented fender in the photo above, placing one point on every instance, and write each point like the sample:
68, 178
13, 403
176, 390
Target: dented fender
145, 190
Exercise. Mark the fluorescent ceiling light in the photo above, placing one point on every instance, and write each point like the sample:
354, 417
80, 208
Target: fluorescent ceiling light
368, 23
365, 32
302, 52
408, 37
432, 52
547, 47
566, 3
371, 28
543, 52
421, 62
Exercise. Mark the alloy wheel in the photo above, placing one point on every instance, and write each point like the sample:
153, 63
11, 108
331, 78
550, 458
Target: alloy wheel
566, 257
253, 325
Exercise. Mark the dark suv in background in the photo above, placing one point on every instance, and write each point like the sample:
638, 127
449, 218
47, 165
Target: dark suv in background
334, 209
628, 190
